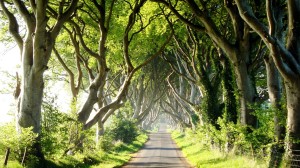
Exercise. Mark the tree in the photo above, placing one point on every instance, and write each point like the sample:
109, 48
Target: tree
286, 58
147, 90
133, 25
172, 107
196, 62
36, 48
77, 57
233, 39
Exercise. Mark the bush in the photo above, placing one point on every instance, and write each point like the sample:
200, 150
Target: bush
55, 129
237, 138
106, 142
17, 142
122, 129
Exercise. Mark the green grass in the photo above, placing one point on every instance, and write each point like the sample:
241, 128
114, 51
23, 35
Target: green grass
117, 157
11, 164
202, 157
121, 154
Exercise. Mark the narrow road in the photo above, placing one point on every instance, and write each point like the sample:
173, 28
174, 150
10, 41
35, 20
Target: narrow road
159, 151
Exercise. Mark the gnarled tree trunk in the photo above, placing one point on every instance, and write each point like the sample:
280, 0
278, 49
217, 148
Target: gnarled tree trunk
274, 91
36, 48
287, 62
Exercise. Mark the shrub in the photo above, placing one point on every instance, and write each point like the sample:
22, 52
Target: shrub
55, 129
106, 142
237, 138
16, 141
122, 129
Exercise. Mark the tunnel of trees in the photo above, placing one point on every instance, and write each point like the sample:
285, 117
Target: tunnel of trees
229, 67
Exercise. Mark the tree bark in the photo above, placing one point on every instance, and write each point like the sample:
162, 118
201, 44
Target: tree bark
36, 48
274, 91
246, 93
286, 60
140, 94
238, 53
293, 120
230, 106
99, 132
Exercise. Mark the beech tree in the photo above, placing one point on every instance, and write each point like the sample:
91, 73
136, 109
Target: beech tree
286, 56
101, 16
147, 90
63, 57
198, 63
172, 107
234, 39
36, 47
148, 96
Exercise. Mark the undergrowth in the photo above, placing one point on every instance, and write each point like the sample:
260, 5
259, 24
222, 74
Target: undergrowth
116, 157
200, 155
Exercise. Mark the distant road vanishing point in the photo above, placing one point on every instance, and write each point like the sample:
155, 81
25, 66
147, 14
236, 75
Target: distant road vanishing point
159, 151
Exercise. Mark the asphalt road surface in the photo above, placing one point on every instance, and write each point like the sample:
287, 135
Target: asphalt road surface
159, 151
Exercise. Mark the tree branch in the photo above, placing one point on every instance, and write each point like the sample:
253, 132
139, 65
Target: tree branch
62, 18
275, 46
13, 25
82, 42
186, 21
29, 19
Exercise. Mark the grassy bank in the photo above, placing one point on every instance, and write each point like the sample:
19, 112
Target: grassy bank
201, 156
119, 155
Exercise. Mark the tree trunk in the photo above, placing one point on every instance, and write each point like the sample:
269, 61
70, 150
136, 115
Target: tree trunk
293, 121
230, 113
36, 47
212, 106
31, 98
140, 94
273, 82
286, 60
230, 106
91, 100
246, 94
99, 132
29, 114
193, 93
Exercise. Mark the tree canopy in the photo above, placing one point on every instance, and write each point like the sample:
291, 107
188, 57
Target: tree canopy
219, 66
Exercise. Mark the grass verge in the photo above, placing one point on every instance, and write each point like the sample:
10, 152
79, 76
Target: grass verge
119, 155
200, 156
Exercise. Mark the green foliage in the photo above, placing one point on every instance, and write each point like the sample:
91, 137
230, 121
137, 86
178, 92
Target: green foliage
57, 129
17, 141
60, 131
106, 142
119, 154
265, 131
147, 34
200, 155
228, 85
236, 138
54, 130
122, 129
210, 108
127, 110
